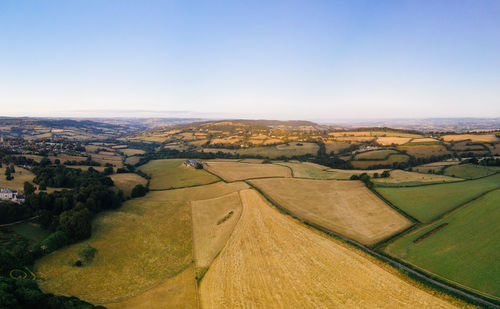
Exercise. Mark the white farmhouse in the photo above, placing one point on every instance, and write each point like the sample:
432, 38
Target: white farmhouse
11, 195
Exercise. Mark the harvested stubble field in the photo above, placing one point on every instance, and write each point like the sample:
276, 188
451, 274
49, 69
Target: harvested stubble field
344, 207
213, 222
171, 173
389, 140
465, 251
233, 171
470, 171
336, 147
426, 203
374, 155
140, 246
115, 160
346, 174
292, 149
303, 170
393, 158
127, 181
472, 137
273, 261
132, 160
424, 151
435, 166
132, 152
404, 178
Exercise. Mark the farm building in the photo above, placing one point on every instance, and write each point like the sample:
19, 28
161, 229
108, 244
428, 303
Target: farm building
11, 195
192, 163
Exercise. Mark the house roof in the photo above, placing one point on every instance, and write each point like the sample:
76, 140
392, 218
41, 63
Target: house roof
7, 190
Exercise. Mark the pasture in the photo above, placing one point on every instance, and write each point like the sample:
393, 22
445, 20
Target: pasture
171, 173
424, 151
393, 158
389, 140
344, 207
273, 261
487, 138
470, 171
405, 178
20, 177
213, 222
304, 170
336, 147
233, 171
30, 230
127, 181
132, 160
140, 246
466, 251
435, 166
426, 203
287, 150
375, 155
131, 152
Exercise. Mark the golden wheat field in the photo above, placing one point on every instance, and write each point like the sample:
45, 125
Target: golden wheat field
473, 137
272, 261
232, 171
389, 140
345, 207
213, 222
140, 246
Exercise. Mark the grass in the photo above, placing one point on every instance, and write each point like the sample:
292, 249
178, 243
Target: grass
132, 160
171, 173
310, 171
31, 231
389, 140
374, 155
393, 158
274, 261
426, 203
404, 178
132, 152
292, 149
140, 246
470, 171
127, 181
424, 151
20, 177
465, 251
344, 207
232, 171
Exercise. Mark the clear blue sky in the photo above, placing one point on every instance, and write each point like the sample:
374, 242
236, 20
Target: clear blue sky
272, 59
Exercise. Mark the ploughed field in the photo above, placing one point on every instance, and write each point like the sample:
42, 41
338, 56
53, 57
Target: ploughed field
344, 207
274, 261
465, 251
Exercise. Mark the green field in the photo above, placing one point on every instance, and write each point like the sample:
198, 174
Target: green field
171, 173
470, 171
374, 155
292, 149
465, 251
30, 231
393, 158
427, 203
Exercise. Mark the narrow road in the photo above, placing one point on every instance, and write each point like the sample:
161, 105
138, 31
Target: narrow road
17, 222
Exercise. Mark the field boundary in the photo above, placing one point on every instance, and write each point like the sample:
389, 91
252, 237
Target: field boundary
414, 273
190, 186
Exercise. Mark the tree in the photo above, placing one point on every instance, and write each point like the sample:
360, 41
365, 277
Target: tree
76, 223
42, 185
386, 174
87, 253
198, 166
139, 190
28, 188
108, 170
